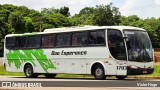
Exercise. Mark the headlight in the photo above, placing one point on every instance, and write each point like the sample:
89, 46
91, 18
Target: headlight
132, 66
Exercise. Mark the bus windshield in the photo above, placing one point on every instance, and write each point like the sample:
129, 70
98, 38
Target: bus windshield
139, 46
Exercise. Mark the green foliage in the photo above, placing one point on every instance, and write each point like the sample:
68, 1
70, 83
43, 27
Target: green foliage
85, 17
49, 10
82, 19
106, 15
101, 15
87, 11
17, 22
29, 24
64, 11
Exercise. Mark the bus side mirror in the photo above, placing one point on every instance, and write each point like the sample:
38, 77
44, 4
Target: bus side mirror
122, 38
126, 38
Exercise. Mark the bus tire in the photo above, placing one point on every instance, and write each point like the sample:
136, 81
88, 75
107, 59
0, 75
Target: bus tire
29, 71
50, 75
99, 72
121, 77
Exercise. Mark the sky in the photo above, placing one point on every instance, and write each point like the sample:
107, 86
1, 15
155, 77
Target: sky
141, 8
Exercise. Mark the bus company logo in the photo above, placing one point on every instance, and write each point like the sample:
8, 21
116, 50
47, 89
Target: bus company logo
6, 84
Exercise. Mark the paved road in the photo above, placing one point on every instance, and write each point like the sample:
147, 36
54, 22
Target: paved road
1, 60
89, 83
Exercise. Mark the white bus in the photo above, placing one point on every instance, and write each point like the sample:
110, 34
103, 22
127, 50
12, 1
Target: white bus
97, 50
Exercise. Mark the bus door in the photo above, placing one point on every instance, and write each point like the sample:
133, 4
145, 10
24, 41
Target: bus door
117, 50
121, 58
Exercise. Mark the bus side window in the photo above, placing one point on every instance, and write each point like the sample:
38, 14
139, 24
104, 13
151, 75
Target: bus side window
34, 41
20, 42
10, 42
96, 38
48, 40
79, 39
63, 40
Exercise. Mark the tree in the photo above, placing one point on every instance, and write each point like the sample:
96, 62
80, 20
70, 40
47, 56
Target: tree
132, 20
4, 30
29, 25
85, 17
17, 22
61, 20
82, 19
87, 11
152, 26
49, 10
37, 19
64, 11
106, 15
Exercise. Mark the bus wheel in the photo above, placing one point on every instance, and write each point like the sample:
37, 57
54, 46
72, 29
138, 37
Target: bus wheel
99, 72
29, 71
50, 75
121, 77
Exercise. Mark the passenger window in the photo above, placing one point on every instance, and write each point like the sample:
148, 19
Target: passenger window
34, 41
20, 42
63, 40
96, 38
48, 40
116, 44
79, 39
10, 42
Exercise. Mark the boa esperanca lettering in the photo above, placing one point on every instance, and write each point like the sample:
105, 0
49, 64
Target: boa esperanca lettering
69, 53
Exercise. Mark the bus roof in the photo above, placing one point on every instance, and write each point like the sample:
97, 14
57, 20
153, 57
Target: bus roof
78, 28
88, 27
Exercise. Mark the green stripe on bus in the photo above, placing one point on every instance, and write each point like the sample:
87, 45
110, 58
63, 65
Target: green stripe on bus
20, 56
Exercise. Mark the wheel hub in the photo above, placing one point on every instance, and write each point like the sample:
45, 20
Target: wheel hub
98, 72
28, 72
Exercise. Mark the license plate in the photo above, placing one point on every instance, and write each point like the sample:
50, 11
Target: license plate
144, 71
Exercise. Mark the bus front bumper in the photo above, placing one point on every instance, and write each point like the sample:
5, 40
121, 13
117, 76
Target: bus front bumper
139, 71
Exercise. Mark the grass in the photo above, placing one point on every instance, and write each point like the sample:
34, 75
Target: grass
156, 73
156, 70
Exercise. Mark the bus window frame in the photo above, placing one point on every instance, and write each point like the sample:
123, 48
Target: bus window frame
79, 45
34, 36
54, 46
21, 47
70, 33
6, 46
92, 45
